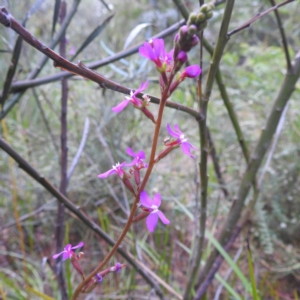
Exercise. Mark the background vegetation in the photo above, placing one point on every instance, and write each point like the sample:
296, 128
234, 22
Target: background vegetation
253, 67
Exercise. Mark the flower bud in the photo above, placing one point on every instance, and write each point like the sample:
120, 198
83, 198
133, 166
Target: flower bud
77, 266
137, 176
209, 15
128, 184
183, 30
202, 26
148, 114
192, 30
210, 6
192, 19
182, 57
191, 71
204, 8
195, 41
201, 17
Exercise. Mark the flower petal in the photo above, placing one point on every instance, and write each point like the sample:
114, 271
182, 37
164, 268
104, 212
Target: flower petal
186, 149
182, 57
159, 48
55, 256
78, 246
179, 132
141, 155
145, 200
120, 106
151, 221
147, 51
172, 132
163, 218
130, 152
143, 86
108, 173
67, 255
157, 200
192, 71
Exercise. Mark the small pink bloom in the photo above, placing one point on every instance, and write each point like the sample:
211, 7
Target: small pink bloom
116, 169
138, 159
191, 72
155, 51
180, 140
68, 253
133, 99
98, 278
117, 268
182, 57
152, 207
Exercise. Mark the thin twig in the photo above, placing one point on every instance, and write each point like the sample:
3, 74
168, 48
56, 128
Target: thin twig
228, 273
11, 70
257, 17
60, 223
283, 37
273, 146
214, 156
79, 150
40, 107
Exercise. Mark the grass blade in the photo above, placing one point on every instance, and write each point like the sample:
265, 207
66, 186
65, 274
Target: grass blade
229, 260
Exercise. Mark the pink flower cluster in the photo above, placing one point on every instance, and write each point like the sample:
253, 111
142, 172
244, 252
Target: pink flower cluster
166, 63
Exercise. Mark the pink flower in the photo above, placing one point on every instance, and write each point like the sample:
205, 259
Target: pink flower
116, 169
133, 99
138, 160
152, 207
182, 57
98, 278
190, 72
155, 51
68, 253
117, 268
180, 140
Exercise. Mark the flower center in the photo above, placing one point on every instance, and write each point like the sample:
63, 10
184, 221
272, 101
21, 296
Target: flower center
154, 208
182, 138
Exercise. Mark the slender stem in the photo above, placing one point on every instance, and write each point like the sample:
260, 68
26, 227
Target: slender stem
60, 223
215, 159
204, 99
232, 115
137, 197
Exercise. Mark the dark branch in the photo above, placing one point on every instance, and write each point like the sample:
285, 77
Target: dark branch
258, 16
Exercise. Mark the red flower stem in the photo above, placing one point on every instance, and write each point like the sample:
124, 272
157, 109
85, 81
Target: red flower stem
163, 101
